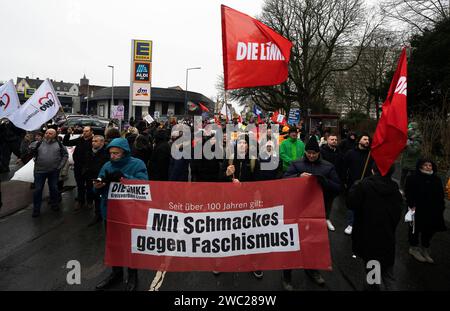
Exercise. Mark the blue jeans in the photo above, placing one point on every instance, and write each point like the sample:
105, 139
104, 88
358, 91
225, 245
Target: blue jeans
39, 182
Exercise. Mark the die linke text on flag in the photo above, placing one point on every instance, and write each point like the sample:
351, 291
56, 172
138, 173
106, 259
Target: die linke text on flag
391, 134
253, 53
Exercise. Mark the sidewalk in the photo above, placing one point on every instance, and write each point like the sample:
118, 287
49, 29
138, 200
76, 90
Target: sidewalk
17, 195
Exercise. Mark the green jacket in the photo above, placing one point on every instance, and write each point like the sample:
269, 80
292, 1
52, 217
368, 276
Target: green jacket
291, 151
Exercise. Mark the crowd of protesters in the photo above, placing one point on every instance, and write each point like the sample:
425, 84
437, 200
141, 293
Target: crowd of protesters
344, 170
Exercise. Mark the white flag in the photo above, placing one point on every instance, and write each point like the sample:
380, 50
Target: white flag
9, 101
149, 119
41, 107
226, 112
280, 118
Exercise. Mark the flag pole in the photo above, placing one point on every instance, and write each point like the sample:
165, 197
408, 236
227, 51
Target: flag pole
365, 166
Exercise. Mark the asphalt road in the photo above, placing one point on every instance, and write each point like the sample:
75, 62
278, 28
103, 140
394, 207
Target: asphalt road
34, 254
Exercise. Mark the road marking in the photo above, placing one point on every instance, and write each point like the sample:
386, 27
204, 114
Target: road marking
157, 281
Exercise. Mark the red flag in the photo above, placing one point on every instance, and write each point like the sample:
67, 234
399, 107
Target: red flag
203, 107
391, 133
253, 53
274, 117
259, 119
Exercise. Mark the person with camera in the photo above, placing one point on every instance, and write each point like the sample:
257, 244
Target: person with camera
121, 165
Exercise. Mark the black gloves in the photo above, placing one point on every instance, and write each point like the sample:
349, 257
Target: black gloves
112, 177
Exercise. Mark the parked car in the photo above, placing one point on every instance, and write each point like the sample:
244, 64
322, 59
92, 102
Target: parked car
98, 126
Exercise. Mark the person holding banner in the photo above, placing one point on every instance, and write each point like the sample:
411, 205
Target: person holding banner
242, 168
325, 172
121, 165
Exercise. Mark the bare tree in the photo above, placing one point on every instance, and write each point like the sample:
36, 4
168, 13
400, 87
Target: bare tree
419, 14
328, 36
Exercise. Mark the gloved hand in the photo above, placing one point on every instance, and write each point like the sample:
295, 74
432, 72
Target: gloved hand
112, 177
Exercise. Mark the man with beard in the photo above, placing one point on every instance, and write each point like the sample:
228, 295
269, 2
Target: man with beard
49, 156
356, 166
83, 148
324, 171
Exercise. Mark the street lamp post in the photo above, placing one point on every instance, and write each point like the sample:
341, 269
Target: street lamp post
87, 101
186, 92
112, 94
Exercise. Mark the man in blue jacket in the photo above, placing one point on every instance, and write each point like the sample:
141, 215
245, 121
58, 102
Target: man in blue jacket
121, 165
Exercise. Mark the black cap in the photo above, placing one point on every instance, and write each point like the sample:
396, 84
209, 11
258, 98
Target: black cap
312, 145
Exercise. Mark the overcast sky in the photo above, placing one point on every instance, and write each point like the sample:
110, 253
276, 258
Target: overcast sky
63, 40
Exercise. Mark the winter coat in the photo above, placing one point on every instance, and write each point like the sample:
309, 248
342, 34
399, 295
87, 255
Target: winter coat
347, 145
128, 167
426, 194
94, 162
353, 166
377, 205
291, 151
245, 169
335, 157
323, 170
264, 174
159, 163
204, 170
83, 147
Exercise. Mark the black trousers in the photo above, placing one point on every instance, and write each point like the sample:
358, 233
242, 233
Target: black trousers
85, 190
425, 237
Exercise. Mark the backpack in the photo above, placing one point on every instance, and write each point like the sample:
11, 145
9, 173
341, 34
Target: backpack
35, 150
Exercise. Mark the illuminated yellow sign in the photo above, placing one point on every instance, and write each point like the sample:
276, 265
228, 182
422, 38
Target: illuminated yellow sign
143, 50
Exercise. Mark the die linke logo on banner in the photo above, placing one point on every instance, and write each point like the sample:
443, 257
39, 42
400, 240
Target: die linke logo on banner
142, 72
4, 101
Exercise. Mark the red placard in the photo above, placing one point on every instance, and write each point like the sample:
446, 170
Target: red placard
173, 226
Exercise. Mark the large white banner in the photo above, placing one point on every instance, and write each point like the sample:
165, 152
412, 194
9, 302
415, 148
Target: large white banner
41, 107
9, 101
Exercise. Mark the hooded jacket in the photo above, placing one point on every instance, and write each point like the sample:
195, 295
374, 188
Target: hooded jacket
291, 150
377, 205
426, 194
128, 167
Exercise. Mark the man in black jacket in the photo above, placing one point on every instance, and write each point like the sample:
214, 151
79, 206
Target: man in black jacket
313, 165
83, 146
160, 161
94, 161
377, 205
356, 166
331, 153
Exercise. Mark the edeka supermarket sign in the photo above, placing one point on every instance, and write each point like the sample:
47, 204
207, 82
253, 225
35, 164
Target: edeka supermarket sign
143, 50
